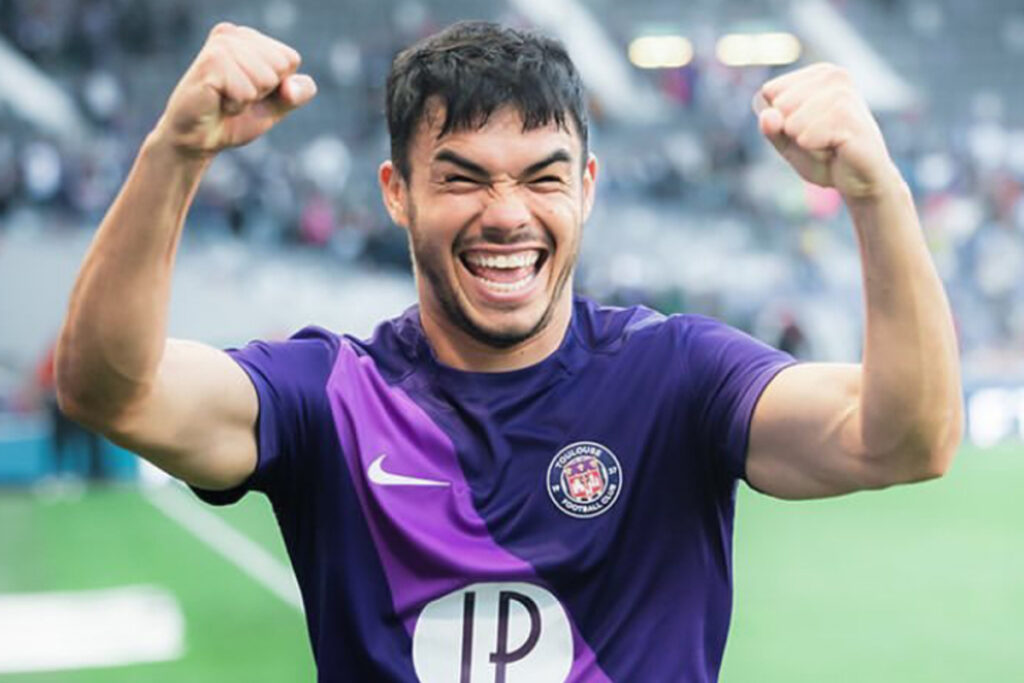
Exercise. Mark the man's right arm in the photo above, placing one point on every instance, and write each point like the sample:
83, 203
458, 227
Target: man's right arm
185, 406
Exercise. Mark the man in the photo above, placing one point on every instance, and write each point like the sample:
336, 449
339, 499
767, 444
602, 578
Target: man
507, 483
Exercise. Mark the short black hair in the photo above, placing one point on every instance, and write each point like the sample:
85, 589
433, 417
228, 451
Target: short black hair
475, 68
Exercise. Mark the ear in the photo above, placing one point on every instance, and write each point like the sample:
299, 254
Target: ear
394, 192
589, 185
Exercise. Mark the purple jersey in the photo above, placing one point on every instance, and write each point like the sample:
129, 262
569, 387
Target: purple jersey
569, 521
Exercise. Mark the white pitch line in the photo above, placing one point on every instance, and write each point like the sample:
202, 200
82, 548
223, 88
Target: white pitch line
251, 558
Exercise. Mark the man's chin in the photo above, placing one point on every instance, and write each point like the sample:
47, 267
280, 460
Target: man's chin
505, 336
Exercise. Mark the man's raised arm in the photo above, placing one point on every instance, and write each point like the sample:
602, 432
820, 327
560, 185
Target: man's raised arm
186, 407
825, 429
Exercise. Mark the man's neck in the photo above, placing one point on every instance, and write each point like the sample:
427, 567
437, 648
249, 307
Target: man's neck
454, 347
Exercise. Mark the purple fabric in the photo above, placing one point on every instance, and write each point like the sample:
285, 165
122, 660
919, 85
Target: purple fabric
417, 528
672, 398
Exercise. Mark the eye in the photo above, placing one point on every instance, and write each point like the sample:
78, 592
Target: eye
546, 182
460, 179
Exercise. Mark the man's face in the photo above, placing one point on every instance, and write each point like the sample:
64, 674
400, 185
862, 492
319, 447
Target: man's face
495, 217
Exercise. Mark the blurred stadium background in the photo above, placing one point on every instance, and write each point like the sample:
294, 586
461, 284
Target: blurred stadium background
109, 574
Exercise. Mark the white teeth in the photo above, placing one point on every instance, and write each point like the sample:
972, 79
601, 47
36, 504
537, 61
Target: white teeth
505, 287
520, 259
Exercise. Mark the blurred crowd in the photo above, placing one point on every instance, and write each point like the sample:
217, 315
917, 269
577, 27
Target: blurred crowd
696, 213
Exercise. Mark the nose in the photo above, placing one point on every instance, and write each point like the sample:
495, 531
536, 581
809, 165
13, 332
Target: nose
505, 212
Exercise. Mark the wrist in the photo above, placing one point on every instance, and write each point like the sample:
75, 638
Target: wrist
178, 171
889, 210
887, 188
161, 144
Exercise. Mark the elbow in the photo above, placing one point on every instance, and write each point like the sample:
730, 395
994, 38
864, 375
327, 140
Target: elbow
930, 454
79, 401
932, 462
105, 418
72, 399
943, 448
76, 407
947, 436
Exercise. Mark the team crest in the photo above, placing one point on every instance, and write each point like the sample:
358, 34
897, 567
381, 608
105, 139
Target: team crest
584, 479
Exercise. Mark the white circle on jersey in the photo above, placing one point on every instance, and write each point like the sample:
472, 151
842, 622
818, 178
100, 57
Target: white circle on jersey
487, 632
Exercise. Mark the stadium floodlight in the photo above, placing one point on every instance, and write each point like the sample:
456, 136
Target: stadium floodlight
758, 49
660, 52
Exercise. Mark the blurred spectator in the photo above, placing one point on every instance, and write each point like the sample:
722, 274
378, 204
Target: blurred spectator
317, 223
8, 176
42, 170
792, 339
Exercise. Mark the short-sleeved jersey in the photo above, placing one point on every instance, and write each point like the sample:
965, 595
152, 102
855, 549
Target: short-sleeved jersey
569, 521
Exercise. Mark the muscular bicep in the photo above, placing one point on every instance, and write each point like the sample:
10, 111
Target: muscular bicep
805, 434
198, 421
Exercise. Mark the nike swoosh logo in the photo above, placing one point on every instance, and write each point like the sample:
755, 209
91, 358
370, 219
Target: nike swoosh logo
378, 475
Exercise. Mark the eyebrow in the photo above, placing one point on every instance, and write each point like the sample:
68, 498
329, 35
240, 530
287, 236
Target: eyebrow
462, 162
558, 156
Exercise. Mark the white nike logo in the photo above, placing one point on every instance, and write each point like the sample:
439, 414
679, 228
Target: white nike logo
379, 476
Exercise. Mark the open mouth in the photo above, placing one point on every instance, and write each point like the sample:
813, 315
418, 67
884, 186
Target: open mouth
504, 272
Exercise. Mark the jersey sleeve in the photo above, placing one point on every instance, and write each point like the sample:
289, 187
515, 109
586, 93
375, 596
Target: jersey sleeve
727, 371
290, 379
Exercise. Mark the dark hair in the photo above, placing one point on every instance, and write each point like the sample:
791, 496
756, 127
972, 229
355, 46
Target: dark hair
475, 68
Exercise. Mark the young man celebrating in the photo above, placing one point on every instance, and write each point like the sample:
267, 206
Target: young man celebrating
507, 483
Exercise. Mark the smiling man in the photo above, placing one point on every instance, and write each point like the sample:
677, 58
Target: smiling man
506, 483
503, 182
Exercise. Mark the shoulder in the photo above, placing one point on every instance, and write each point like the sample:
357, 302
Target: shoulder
613, 328
610, 328
698, 344
705, 337
308, 349
396, 347
310, 355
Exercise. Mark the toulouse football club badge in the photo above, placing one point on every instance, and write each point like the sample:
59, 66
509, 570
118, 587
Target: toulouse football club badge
584, 479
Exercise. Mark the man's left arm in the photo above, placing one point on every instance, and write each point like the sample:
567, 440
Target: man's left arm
826, 429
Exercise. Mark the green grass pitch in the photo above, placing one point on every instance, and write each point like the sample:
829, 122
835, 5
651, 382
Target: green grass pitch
922, 583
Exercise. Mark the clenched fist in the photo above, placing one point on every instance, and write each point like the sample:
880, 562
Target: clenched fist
822, 126
239, 85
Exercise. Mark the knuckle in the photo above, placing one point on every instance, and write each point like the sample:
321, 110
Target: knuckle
215, 51
250, 31
791, 127
212, 59
241, 90
847, 95
276, 61
265, 84
786, 105
840, 74
222, 27
251, 90
842, 106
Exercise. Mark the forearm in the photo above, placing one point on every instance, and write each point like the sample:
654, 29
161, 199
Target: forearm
910, 400
114, 332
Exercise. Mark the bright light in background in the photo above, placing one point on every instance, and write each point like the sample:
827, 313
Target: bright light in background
995, 414
660, 52
750, 49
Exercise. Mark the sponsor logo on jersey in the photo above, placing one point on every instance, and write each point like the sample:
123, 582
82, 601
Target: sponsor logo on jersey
584, 479
493, 633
